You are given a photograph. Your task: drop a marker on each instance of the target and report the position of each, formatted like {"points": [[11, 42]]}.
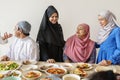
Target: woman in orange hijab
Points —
{"points": [[79, 47]]}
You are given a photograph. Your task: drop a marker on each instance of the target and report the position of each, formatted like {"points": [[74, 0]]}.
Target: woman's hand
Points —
{"points": [[105, 63], [51, 61]]}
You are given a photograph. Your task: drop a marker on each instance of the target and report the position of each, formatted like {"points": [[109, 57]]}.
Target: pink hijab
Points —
{"points": [[79, 50]]}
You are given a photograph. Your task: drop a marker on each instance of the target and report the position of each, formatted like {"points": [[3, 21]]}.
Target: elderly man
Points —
{"points": [[23, 47]]}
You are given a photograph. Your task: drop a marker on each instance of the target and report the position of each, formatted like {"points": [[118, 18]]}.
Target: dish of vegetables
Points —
{"points": [[9, 65]]}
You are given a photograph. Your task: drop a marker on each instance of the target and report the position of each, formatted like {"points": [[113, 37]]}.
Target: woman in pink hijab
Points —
{"points": [[79, 47]]}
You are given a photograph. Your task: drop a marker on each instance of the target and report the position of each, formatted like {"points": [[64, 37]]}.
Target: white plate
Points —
{"points": [[9, 63], [84, 66], [28, 75], [82, 73], [71, 77], [104, 68], [16, 73], [43, 67], [29, 67], [67, 66], [55, 71], [9, 73]]}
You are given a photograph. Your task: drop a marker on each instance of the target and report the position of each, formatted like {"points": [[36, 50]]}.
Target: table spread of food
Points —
{"points": [[33, 70]]}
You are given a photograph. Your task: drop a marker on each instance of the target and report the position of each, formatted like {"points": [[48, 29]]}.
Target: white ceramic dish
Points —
{"points": [[104, 68], [79, 72], [67, 66], [12, 78], [32, 74], [29, 67], [84, 66], [9, 73], [3, 74], [46, 66], [56, 71], [16, 73], [9, 65], [71, 77]]}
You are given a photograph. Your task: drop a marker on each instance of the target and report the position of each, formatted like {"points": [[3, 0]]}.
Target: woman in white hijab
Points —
{"points": [[109, 39]]}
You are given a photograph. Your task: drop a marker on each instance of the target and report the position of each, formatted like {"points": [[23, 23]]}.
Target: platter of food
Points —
{"points": [[79, 72], [32, 74], [44, 67], [56, 71], [9, 65], [84, 66], [4, 74]]}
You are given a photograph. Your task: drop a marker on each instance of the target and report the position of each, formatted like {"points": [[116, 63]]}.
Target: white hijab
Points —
{"points": [[104, 32]]}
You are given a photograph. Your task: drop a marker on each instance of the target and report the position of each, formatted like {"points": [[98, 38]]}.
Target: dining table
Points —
{"points": [[36, 66]]}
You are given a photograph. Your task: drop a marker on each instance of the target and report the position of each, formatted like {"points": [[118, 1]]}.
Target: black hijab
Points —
{"points": [[50, 33]]}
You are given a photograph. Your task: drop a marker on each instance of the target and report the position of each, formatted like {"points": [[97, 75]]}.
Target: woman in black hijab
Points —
{"points": [[50, 36]]}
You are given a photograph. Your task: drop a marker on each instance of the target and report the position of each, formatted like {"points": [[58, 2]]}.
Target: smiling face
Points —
{"points": [[81, 32], [53, 18], [103, 21]]}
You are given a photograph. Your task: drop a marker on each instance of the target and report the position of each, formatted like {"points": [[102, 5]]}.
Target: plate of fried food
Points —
{"points": [[84, 66], [44, 67], [32, 74], [79, 72], [56, 71]]}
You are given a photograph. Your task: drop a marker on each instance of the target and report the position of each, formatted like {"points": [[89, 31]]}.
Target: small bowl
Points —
{"points": [[32, 74], [56, 71], [16, 73], [12, 78], [71, 77]]}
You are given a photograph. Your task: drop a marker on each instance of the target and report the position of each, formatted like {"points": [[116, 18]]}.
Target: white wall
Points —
{"points": [[72, 12]]}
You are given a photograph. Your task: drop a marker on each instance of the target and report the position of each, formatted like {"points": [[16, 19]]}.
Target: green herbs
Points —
{"points": [[8, 66]]}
